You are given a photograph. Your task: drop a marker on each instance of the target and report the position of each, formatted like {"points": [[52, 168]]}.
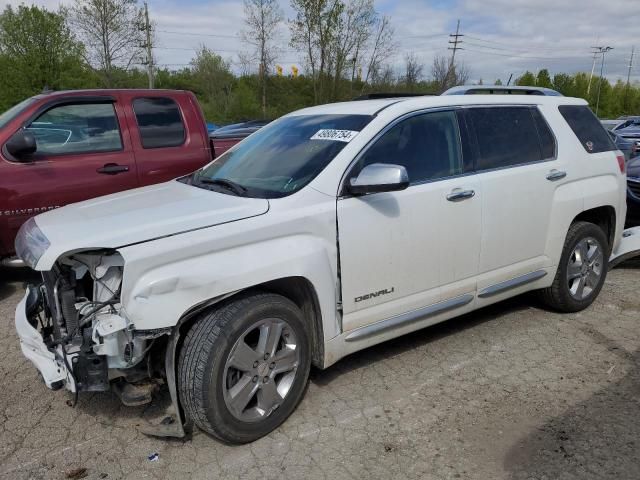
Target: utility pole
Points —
{"points": [[147, 28], [626, 90], [593, 67], [630, 66], [454, 39], [602, 50]]}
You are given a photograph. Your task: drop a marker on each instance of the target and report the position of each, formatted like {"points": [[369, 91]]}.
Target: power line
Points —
{"points": [[521, 56], [199, 34]]}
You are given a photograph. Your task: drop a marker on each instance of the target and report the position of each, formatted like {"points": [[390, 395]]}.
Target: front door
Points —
{"points": [[81, 153], [401, 251]]}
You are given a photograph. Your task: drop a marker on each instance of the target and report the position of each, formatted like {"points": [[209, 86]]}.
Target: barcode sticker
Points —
{"points": [[335, 135]]}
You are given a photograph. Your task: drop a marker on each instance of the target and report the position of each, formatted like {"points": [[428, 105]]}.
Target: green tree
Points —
{"points": [[544, 79], [564, 84], [37, 51], [527, 79], [213, 82], [112, 34]]}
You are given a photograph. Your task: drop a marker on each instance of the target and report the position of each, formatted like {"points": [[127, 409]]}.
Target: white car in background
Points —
{"points": [[330, 230]]}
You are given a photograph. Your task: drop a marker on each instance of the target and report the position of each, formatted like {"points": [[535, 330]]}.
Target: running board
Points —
{"points": [[511, 284], [629, 247], [408, 318]]}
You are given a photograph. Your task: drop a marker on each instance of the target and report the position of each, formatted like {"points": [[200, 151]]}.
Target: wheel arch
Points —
{"points": [[604, 217], [298, 289]]}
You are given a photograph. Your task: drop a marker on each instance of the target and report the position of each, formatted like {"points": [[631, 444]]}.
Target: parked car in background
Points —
{"points": [[63, 147], [211, 127], [627, 146], [629, 128], [223, 138], [633, 192], [330, 230], [610, 124]]}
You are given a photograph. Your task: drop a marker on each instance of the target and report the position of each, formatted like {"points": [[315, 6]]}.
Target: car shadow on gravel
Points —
{"points": [[414, 340], [595, 439], [13, 279]]}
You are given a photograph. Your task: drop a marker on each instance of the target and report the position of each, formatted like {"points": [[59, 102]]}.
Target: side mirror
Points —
{"points": [[21, 145], [379, 177]]}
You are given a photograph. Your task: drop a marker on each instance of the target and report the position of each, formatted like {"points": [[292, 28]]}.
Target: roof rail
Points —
{"points": [[378, 96], [501, 90]]}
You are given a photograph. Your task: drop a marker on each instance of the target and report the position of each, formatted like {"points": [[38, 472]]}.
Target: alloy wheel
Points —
{"points": [[585, 268], [260, 370]]}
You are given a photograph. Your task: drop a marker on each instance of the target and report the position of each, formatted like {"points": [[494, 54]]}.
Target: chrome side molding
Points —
{"points": [[408, 318], [510, 284]]}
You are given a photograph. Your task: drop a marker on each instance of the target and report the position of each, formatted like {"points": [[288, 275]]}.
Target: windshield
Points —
{"points": [[282, 157], [10, 114]]}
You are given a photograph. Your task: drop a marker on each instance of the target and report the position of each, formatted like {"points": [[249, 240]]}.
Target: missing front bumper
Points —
{"points": [[49, 364]]}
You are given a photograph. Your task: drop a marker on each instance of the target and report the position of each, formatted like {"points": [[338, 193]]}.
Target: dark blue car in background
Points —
{"points": [[633, 192]]}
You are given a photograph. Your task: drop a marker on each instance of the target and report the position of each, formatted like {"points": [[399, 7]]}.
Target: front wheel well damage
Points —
{"points": [[297, 289]]}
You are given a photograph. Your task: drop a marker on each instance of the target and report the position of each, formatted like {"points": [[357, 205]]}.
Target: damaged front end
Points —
{"points": [[75, 330]]}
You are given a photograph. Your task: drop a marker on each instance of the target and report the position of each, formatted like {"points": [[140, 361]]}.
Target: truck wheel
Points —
{"points": [[582, 270], [244, 367]]}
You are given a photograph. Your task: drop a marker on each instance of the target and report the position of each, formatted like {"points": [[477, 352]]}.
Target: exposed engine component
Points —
{"points": [[84, 320]]}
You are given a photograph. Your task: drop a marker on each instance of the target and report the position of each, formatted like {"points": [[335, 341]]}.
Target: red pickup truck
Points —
{"points": [[64, 147]]}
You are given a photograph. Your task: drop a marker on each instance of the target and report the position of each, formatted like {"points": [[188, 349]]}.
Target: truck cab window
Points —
{"points": [[159, 121], [77, 128]]}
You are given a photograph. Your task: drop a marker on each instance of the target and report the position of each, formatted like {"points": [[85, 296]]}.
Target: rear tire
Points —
{"points": [[582, 270], [243, 367]]}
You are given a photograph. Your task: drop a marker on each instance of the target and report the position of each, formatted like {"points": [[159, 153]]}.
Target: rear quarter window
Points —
{"points": [[506, 136], [590, 132]]}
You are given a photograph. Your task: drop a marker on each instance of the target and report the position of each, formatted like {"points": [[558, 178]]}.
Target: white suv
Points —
{"points": [[330, 230]]}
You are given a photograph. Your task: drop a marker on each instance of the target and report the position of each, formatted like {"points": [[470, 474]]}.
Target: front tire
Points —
{"points": [[582, 270], [243, 367]]}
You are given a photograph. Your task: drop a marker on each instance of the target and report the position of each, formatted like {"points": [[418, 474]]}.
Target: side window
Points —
{"points": [[159, 121], [547, 140], [587, 128], [77, 128], [427, 145], [506, 136]]}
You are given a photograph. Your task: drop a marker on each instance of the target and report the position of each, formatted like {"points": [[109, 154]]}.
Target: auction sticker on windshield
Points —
{"points": [[336, 135]]}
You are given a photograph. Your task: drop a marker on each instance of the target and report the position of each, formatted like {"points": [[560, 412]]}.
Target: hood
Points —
{"points": [[138, 216]]}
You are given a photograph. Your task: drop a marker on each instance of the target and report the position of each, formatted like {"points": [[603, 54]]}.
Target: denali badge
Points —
{"points": [[368, 296]]}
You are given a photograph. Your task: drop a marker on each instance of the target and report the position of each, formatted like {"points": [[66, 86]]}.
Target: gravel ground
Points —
{"points": [[508, 392]]}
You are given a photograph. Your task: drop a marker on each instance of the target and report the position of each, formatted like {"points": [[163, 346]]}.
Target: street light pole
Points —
{"points": [[603, 50]]}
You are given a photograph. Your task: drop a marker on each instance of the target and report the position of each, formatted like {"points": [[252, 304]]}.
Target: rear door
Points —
{"points": [[518, 169], [83, 151], [169, 137]]}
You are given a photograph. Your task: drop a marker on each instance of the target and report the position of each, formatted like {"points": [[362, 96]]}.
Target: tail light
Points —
{"points": [[622, 163]]}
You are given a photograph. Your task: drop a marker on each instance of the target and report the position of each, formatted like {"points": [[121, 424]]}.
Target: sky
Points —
{"points": [[501, 37]]}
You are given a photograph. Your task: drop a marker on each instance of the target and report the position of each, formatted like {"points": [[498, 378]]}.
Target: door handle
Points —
{"points": [[458, 195], [112, 169], [554, 175]]}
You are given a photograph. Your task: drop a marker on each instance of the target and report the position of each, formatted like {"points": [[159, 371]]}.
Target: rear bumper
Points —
{"points": [[50, 365]]}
